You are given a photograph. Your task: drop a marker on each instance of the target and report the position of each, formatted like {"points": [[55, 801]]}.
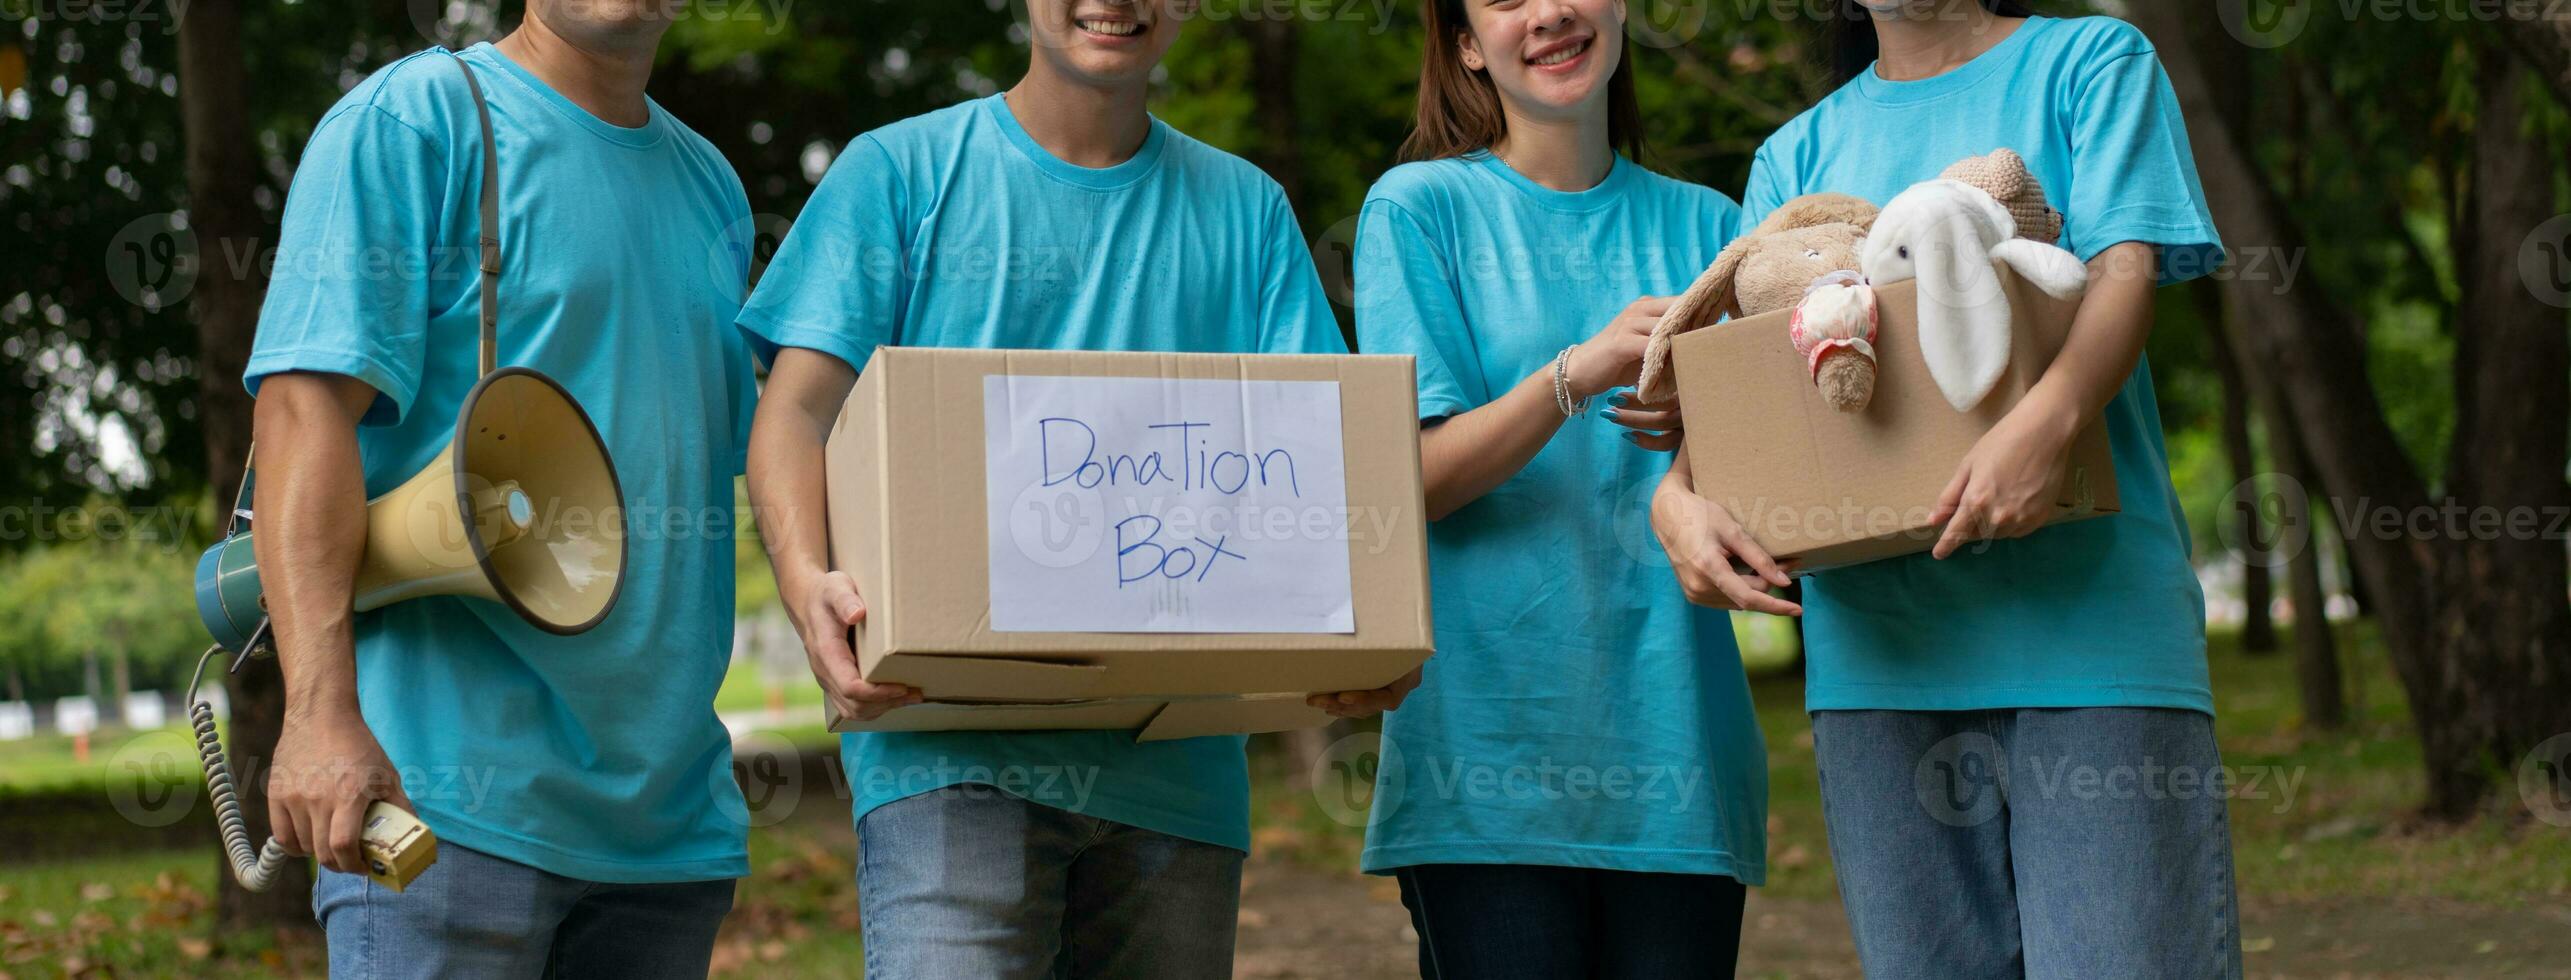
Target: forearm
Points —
{"points": [[786, 493], [311, 535], [2106, 341], [787, 482], [1471, 454], [1682, 473]]}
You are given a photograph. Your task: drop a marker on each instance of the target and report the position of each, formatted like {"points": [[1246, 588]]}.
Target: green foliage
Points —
{"points": [[67, 607], [2362, 122]]}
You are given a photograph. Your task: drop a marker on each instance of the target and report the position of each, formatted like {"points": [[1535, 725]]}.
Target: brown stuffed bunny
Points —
{"points": [[1795, 248]]}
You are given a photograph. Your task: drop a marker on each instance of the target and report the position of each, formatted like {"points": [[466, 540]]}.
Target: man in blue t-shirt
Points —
{"points": [[1057, 215], [580, 785]]}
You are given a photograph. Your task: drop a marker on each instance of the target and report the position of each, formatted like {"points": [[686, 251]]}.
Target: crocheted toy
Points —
{"points": [[2003, 174], [1947, 233], [1803, 256]]}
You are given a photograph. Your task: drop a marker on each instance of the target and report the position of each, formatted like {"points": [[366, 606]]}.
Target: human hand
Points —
{"points": [[1656, 425], [2007, 483], [1367, 704], [1703, 542], [1613, 357], [328, 769], [824, 612]]}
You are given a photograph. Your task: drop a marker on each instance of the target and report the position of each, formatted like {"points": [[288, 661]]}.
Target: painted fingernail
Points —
{"points": [[1609, 413]]}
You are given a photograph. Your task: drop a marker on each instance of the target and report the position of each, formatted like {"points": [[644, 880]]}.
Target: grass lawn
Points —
{"points": [[46, 763], [2345, 829], [2345, 832]]}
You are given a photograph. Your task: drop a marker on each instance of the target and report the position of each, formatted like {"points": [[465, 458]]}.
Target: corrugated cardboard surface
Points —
{"points": [[1826, 488], [908, 521]]}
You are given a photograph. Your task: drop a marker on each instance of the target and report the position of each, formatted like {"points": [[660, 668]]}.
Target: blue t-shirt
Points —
{"points": [[596, 756], [2104, 611], [956, 229], [1579, 712]]}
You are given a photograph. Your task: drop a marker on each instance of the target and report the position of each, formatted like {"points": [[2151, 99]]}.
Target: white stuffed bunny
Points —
{"points": [[1946, 233]]}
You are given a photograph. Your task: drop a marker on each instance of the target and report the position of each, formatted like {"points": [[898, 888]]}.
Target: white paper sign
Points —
{"points": [[1149, 505], [76, 715]]}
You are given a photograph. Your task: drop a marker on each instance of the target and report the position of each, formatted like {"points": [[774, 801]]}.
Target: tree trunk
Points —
{"points": [[2476, 630], [120, 683], [1274, 51], [222, 171], [2316, 649], [2540, 32], [2258, 624], [2504, 619]]}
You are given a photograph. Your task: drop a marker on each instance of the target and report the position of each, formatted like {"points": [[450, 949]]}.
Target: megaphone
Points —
{"points": [[522, 509]]}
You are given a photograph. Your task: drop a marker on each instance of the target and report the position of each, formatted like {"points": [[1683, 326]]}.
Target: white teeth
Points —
{"points": [[1112, 27], [1563, 55]]}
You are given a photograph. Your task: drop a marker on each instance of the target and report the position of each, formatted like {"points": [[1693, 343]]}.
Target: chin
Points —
{"points": [[606, 18], [1108, 67]]}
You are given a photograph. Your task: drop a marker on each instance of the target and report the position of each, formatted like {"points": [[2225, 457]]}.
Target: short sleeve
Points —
{"points": [[741, 240], [1294, 315], [1407, 304], [835, 284], [1766, 191], [2133, 174], [347, 295]]}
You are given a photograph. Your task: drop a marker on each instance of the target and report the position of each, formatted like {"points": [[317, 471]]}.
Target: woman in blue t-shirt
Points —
{"points": [[1578, 787], [2014, 731]]}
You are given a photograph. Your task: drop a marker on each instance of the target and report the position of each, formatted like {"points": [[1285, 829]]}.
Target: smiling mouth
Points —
{"points": [[1111, 28], [1561, 54]]}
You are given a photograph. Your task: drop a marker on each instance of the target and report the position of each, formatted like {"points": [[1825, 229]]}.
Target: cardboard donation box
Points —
{"points": [[1825, 488], [1175, 544]]}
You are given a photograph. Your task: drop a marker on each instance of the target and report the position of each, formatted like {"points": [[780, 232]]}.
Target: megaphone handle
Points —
{"points": [[409, 852]]}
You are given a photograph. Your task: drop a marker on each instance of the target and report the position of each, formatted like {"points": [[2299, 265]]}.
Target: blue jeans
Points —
{"points": [[969, 881], [474, 915], [2031, 842], [1489, 921]]}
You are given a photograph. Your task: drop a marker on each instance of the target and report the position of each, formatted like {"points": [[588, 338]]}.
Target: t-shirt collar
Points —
{"points": [[1607, 190], [485, 54], [1878, 89], [1098, 178]]}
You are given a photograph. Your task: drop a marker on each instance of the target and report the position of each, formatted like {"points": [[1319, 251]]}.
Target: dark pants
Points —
{"points": [[1482, 921]]}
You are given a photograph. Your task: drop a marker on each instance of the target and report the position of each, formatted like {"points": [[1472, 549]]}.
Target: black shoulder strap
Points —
{"points": [[490, 229]]}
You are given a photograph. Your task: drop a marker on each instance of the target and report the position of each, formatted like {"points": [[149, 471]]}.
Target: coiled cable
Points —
{"points": [[255, 869]]}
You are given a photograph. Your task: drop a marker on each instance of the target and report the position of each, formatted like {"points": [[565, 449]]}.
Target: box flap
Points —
{"points": [[1151, 719], [937, 716], [1246, 715], [1010, 678]]}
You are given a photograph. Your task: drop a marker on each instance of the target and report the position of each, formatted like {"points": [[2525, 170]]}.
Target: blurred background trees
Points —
{"points": [[2390, 338]]}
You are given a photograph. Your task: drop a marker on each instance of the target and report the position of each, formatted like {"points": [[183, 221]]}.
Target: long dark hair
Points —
{"points": [[1459, 108], [1852, 43]]}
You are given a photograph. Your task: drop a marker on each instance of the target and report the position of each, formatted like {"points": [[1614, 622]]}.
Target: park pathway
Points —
{"points": [[1297, 922]]}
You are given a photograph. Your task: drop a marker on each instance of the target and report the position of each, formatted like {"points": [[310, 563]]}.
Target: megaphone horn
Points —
{"points": [[522, 508]]}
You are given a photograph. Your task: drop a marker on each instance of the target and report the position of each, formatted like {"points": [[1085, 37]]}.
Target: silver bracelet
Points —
{"points": [[1562, 385]]}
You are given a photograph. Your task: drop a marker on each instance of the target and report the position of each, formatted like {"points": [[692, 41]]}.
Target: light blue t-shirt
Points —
{"points": [[2099, 612], [1578, 712], [956, 229], [595, 756]]}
